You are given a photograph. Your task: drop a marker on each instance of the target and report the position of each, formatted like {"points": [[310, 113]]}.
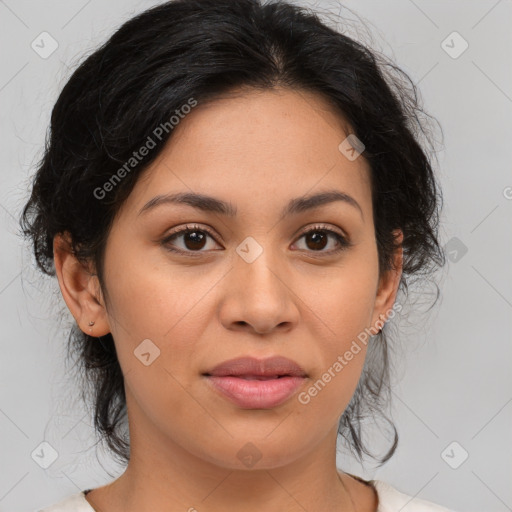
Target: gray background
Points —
{"points": [[453, 375]]}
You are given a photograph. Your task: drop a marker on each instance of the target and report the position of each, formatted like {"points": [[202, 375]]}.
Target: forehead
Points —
{"points": [[262, 146]]}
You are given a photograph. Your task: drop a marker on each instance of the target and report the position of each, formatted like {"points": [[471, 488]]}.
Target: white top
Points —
{"points": [[390, 500]]}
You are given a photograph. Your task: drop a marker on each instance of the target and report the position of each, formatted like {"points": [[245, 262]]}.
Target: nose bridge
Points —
{"points": [[258, 293], [257, 268]]}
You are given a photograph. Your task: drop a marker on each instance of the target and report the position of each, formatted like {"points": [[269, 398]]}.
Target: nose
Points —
{"points": [[258, 297]]}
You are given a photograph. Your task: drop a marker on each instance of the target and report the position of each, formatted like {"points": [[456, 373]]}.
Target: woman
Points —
{"points": [[231, 198]]}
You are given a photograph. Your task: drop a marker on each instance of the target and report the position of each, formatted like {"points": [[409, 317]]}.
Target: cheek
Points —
{"points": [[346, 301], [160, 303], [339, 352], [156, 320], [340, 324]]}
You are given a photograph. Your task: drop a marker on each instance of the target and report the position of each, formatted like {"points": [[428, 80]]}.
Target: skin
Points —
{"points": [[256, 150]]}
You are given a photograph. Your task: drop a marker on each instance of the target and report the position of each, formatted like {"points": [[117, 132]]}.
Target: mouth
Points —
{"points": [[250, 383]]}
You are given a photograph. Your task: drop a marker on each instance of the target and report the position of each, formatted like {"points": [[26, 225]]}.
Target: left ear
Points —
{"points": [[388, 285]]}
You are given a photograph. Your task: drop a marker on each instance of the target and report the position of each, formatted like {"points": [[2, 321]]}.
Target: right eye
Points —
{"points": [[194, 238]]}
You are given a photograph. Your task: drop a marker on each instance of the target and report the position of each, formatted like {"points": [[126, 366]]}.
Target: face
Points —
{"points": [[250, 282]]}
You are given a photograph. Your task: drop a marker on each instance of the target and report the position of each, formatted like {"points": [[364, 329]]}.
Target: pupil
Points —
{"points": [[196, 238], [317, 240]]}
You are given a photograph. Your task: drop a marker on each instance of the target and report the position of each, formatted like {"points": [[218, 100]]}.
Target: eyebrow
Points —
{"points": [[212, 204]]}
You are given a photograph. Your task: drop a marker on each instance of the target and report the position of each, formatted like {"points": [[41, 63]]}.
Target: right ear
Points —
{"points": [[80, 288]]}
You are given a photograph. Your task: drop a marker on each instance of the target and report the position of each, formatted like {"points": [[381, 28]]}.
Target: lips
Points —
{"points": [[254, 383], [248, 367]]}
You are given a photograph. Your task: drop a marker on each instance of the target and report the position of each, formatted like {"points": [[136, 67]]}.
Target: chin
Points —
{"points": [[260, 452]]}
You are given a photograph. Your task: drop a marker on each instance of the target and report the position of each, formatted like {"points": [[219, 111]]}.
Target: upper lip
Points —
{"points": [[271, 366]]}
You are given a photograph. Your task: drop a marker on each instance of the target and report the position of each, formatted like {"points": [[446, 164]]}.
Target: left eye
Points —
{"points": [[194, 239], [317, 237]]}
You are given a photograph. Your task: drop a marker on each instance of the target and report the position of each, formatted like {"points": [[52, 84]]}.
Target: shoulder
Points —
{"points": [[74, 503], [392, 500]]}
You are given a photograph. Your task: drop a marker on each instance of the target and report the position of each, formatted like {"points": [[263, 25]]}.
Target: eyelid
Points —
{"points": [[322, 227], [188, 228]]}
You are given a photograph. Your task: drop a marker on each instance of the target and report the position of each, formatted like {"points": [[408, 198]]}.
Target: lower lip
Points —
{"points": [[257, 394]]}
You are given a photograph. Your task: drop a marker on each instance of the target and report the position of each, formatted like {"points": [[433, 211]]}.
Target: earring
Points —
{"points": [[91, 324], [382, 318]]}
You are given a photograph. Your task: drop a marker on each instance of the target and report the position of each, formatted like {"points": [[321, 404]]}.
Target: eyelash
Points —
{"points": [[344, 243]]}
